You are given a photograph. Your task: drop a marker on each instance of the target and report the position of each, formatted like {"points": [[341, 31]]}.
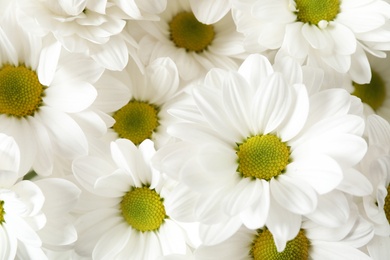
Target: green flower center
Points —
{"points": [[20, 91], [263, 247], [387, 204], [136, 121], [262, 157], [2, 212], [143, 209], [373, 93], [314, 11], [188, 33]]}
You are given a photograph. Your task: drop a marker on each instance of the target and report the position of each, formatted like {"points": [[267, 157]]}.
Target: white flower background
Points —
{"points": [[194, 129]]}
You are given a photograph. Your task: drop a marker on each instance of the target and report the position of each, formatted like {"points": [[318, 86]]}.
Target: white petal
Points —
{"points": [[296, 117], [113, 185], [30, 195], [321, 172], [23, 232], [67, 135], [270, 104], [60, 195], [255, 69], [217, 233], [71, 98], [8, 243], [348, 45], [112, 242], [256, 216], [294, 195], [316, 37], [43, 164], [113, 55], [48, 61], [209, 12], [283, 225], [237, 94], [242, 196], [88, 169], [335, 251], [332, 210], [355, 183], [171, 238]]}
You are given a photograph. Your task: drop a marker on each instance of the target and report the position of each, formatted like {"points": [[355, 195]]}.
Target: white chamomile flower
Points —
{"points": [[33, 216], [262, 152], [376, 94], [138, 102], [194, 47], [376, 167], [44, 92], [128, 210], [313, 241], [332, 34], [91, 27]]}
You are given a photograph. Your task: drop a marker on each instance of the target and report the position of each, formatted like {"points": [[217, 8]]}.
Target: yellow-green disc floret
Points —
{"points": [[20, 91], [143, 209], [188, 33], [136, 121], [387, 204], [314, 11], [263, 247], [262, 157], [2, 212], [373, 93]]}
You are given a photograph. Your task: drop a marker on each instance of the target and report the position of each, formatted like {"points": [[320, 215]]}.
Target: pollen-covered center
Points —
{"points": [[136, 121], [387, 204], [2, 212], [143, 209], [263, 247], [262, 157], [314, 11], [373, 93], [188, 33], [20, 91]]}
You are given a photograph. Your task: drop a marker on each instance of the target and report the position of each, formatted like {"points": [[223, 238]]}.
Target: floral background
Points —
{"points": [[194, 129]]}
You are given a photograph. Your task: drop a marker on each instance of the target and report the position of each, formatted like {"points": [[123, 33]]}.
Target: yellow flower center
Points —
{"points": [[262, 157], [20, 91], [188, 33], [314, 11], [2, 212], [136, 121], [387, 204], [373, 93], [143, 209], [263, 247]]}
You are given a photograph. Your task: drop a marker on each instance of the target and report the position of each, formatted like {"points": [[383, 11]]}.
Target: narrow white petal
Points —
{"points": [[217, 233], [292, 194], [335, 251]]}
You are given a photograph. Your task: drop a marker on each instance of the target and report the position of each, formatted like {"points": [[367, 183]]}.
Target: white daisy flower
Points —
{"points": [[33, 216], [332, 34], [90, 27], [138, 102], [194, 47], [44, 97], [376, 167], [262, 150], [312, 242], [376, 94], [129, 209]]}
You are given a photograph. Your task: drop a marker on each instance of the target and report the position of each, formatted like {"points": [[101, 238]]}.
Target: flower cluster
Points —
{"points": [[194, 129]]}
